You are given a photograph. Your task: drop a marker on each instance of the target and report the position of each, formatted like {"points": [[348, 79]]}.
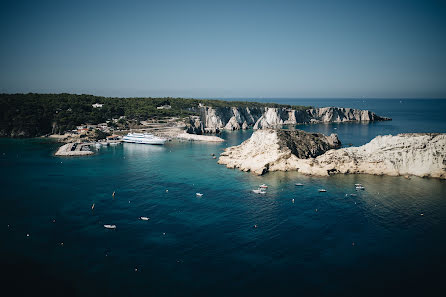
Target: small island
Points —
{"points": [[418, 154]]}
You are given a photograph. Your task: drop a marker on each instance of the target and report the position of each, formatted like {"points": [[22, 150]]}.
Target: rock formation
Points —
{"points": [[420, 154], [212, 120], [270, 150]]}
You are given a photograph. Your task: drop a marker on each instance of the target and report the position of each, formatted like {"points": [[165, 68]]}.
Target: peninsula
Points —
{"points": [[91, 118], [419, 154]]}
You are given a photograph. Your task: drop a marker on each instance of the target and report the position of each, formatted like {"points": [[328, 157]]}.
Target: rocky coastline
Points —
{"points": [[214, 120], [418, 154]]}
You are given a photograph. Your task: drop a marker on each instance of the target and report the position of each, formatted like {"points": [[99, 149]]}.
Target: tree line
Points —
{"points": [[35, 114]]}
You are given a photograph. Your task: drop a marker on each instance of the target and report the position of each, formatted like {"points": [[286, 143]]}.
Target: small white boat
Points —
{"points": [[114, 143], [144, 218], [358, 185], [263, 186], [97, 145], [259, 191], [199, 194], [110, 226], [360, 188], [322, 190], [299, 184]]}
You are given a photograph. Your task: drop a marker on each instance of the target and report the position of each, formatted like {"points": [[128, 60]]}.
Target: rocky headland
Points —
{"points": [[419, 154], [213, 120], [277, 150]]}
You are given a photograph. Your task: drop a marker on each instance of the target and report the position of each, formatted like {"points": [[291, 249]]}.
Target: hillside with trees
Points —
{"points": [[29, 115]]}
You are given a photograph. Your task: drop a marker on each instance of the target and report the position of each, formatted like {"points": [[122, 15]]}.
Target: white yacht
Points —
{"points": [[143, 138]]}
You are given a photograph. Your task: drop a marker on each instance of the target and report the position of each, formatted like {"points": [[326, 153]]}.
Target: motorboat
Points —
{"points": [[144, 218], [199, 194], [299, 184], [143, 138], [263, 186], [259, 191], [110, 226], [322, 190], [360, 188]]}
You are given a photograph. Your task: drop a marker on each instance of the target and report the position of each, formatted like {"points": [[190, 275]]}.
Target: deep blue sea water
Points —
{"points": [[388, 240]]}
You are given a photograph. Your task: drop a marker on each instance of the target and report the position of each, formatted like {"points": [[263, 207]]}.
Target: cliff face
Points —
{"points": [[419, 154], [212, 120], [270, 150]]}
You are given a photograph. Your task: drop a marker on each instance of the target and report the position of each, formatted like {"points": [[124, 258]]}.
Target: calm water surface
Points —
{"points": [[386, 240]]}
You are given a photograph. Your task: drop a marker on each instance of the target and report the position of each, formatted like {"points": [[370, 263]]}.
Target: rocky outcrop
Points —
{"points": [[213, 120], [419, 154], [270, 150], [195, 137], [195, 126]]}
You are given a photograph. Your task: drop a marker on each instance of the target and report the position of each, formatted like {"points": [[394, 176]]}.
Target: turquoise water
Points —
{"points": [[387, 240]]}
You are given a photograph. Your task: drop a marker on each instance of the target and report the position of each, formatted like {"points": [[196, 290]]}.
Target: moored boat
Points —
{"points": [[143, 138]]}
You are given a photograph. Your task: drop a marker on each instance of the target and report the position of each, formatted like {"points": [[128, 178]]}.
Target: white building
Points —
{"points": [[164, 107], [97, 105]]}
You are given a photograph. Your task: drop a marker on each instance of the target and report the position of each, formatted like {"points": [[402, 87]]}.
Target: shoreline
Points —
{"points": [[196, 137]]}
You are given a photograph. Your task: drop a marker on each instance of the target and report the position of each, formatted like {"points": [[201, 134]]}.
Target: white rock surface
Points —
{"points": [[271, 150], [212, 120], [196, 137], [416, 154], [419, 154]]}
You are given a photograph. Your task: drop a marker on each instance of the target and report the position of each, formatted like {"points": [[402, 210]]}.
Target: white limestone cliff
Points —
{"points": [[213, 120], [271, 150], [419, 154]]}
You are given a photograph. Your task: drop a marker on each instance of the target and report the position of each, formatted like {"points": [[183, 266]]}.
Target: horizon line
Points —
{"points": [[241, 98]]}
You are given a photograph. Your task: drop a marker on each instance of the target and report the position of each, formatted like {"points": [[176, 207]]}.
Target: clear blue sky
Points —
{"points": [[386, 49]]}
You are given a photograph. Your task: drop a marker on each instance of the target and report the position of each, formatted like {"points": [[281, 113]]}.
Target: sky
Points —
{"points": [[225, 49]]}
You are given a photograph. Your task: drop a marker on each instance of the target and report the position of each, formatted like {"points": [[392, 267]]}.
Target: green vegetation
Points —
{"points": [[33, 114]]}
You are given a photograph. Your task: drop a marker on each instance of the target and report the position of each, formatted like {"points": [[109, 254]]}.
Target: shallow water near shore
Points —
{"points": [[387, 239]]}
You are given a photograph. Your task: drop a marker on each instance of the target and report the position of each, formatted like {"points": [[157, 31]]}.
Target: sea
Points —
{"points": [[386, 240]]}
